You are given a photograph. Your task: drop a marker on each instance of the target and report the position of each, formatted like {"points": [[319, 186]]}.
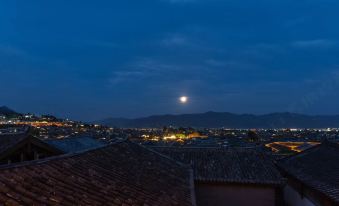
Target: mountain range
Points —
{"points": [[228, 120]]}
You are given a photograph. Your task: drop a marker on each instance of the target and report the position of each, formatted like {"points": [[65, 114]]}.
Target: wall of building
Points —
{"points": [[234, 195], [294, 198]]}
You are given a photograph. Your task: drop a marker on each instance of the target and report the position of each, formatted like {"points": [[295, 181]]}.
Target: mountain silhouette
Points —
{"points": [[228, 120]]}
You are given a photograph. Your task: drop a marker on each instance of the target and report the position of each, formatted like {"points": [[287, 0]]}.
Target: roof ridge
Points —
{"points": [[14, 134]]}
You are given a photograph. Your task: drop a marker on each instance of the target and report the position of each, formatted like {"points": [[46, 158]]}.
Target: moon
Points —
{"points": [[183, 99]]}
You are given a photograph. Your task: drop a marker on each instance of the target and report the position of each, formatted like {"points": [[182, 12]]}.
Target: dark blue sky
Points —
{"points": [[87, 60]]}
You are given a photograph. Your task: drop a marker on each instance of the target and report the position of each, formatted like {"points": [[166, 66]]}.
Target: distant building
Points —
{"points": [[76, 144], [119, 174], [24, 147], [196, 135], [313, 176], [235, 177]]}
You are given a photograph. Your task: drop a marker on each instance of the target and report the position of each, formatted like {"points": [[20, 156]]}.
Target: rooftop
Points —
{"points": [[8, 141], [318, 168], [122, 173], [226, 165]]}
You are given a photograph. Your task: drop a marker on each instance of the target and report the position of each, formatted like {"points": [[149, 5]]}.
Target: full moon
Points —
{"points": [[183, 99]]}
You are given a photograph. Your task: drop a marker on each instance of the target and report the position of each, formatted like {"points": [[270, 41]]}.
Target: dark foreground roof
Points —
{"points": [[119, 174], [226, 165], [75, 144], [318, 168], [11, 142], [8, 141]]}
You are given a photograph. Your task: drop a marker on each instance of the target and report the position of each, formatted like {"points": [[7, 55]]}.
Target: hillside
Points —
{"points": [[5, 111]]}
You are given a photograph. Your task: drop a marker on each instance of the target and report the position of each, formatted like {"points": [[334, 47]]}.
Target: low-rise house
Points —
{"points": [[235, 177], [24, 147], [313, 176], [122, 173]]}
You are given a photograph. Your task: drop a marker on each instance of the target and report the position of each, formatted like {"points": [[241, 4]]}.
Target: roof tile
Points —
{"points": [[226, 165], [119, 174], [317, 167]]}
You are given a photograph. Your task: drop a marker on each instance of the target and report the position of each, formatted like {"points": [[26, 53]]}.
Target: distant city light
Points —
{"points": [[183, 99]]}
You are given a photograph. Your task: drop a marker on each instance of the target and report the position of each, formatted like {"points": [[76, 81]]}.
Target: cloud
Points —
{"points": [[230, 65], [189, 39], [141, 69], [104, 44], [297, 22], [12, 51], [122, 76], [316, 43], [175, 40], [157, 70]]}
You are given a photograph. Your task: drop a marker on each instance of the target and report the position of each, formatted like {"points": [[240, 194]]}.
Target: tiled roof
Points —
{"points": [[9, 143], [75, 144], [226, 165], [120, 174], [318, 168], [10, 140]]}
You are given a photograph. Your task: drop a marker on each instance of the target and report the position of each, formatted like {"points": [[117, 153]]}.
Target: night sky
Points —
{"points": [[89, 60]]}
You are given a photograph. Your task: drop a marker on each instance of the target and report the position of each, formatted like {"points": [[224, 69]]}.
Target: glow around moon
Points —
{"points": [[183, 99]]}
